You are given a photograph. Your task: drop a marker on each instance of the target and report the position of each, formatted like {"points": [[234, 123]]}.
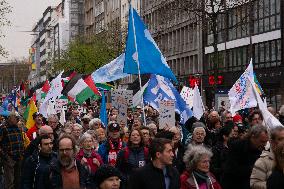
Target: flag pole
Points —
{"points": [[138, 64]]}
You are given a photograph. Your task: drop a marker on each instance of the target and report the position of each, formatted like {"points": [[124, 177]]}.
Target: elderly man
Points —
{"points": [[263, 166], [241, 158], [11, 151], [66, 172]]}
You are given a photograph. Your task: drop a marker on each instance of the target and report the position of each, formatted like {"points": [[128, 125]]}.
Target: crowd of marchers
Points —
{"points": [[218, 151]]}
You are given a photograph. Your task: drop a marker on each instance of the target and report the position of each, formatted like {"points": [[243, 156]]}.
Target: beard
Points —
{"points": [[65, 160]]}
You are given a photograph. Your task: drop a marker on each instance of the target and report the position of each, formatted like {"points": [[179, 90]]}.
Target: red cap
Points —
{"points": [[237, 118]]}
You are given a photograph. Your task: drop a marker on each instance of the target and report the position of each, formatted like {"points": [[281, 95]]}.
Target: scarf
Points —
{"points": [[202, 177], [112, 154]]}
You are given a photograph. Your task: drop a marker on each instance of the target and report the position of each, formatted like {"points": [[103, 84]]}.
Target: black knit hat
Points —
{"points": [[104, 172]]}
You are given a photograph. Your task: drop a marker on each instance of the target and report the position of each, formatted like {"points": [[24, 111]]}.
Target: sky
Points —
{"points": [[24, 15]]}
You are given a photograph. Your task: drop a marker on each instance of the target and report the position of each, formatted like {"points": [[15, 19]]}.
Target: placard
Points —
{"points": [[187, 95], [121, 100], [166, 114]]}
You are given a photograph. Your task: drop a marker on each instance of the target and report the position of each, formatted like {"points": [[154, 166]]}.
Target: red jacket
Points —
{"points": [[90, 160], [187, 181]]}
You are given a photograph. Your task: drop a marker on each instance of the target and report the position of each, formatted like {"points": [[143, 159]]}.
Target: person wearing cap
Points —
{"points": [[110, 148], [33, 131], [108, 177], [11, 151], [85, 122]]}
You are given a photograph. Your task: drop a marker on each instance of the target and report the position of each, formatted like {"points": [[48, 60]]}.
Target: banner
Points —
{"points": [[187, 95]]}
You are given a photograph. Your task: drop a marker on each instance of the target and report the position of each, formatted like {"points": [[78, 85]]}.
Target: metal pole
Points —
{"points": [[138, 65]]}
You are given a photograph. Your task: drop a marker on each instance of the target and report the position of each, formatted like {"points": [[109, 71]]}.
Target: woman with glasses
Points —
{"points": [[197, 160]]}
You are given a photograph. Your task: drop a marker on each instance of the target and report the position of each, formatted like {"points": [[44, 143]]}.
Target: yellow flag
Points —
{"points": [[30, 121]]}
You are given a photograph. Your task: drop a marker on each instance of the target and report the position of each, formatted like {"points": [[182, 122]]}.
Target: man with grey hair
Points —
{"points": [[198, 134], [242, 156], [263, 166]]}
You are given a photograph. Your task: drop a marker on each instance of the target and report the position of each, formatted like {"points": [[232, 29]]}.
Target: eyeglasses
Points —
{"points": [[67, 150]]}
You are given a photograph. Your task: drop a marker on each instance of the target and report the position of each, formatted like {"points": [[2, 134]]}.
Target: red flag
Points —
{"points": [[46, 86]]}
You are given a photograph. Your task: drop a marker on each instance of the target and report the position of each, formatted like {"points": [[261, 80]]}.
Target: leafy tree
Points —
{"points": [[5, 9], [85, 55]]}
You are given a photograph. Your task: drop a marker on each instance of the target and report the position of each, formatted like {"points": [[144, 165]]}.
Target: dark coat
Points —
{"points": [[276, 180], [178, 159], [104, 150], [239, 165], [56, 179], [152, 177], [135, 157], [36, 171], [220, 154]]}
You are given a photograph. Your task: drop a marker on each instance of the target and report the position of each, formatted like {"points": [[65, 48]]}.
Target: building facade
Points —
{"points": [[178, 36], [253, 31]]}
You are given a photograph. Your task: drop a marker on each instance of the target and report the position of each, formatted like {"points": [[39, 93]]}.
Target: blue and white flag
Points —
{"points": [[142, 49], [160, 88], [103, 112], [111, 71]]}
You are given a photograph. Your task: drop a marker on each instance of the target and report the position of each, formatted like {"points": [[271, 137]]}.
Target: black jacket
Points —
{"points": [[220, 154], [135, 159], [276, 180], [36, 171], [56, 179], [178, 159], [151, 177], [238, 167]]}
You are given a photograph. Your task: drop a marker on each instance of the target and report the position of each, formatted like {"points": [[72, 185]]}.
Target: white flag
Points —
{"points": [[269, 120], [54, 91], [187, 95], [198, 107], [137, 98], [241, 95]]}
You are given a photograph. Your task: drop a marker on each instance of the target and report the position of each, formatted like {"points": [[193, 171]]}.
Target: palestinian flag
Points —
{"points": [[67, 76], [80, 88], [22, 90], [44, 90]]}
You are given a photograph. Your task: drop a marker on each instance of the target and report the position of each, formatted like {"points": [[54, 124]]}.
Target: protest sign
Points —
{"points": [[59, 104], [166, 114], [121, 100], [187, 95]]}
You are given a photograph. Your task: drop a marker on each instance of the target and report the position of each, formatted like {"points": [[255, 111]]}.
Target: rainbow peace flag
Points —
{"points": [[257, 85]]}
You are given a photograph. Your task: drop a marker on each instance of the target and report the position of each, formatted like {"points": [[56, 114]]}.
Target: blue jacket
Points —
{"points": [[104, 150]]}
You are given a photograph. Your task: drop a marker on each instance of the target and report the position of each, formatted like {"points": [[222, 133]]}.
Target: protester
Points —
{"points": [[158, 174], [276, 179], [110, 148], [33, 146], [146, 135], [101, 135], [241, 158], [66, 172], [76, 131], [197, 175], [198, 135], [85, 122], [255, 118], [95, 123], [108, 177], [12, 151], [134, 155], [33, 131], [263, 166], [87, 154], [36, 169], [220, 152], [178, 149]]}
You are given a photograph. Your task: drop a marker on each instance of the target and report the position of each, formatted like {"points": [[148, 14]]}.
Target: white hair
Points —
{"points": [[198, 128], [93, 121], [193, 155]]}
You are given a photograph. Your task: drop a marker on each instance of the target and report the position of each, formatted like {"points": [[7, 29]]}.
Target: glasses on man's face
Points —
{"points": [[65, 150]]}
